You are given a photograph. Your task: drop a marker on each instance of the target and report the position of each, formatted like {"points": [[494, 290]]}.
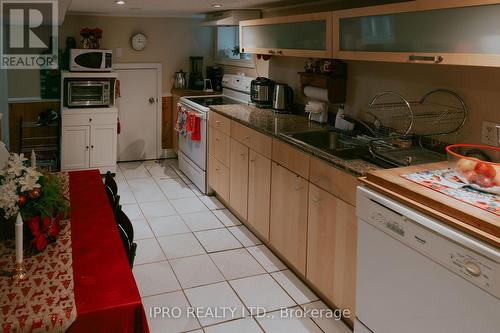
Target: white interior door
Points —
{"points": [[139, 114]]}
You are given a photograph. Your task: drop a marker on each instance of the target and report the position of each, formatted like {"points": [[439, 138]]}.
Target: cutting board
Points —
{"points": [[467, 218]]}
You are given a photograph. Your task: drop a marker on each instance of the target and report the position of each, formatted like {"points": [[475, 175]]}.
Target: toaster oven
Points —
{"points": [[84, 92]]}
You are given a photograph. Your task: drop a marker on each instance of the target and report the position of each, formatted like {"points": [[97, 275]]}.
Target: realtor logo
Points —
{"points": [[29, 34]]}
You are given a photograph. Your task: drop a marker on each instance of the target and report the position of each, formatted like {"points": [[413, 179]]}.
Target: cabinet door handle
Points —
{"points": [[217, 121], [253, 160], [217, 139], [435, 59], [247, 137], [92, 147], [90, 119], [280, 52], [242, 154], [272, 52], [316, 200], [87, 147], [298, 187]]}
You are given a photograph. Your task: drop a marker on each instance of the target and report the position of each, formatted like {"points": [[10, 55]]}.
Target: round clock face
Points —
{"points": [[139, 42]]}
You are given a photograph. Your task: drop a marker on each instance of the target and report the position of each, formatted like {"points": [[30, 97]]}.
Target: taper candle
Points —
{"points": [[33, 158], [19, 239]]}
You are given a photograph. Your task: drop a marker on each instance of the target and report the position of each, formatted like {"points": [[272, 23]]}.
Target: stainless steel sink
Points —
{"points": [[331, 141]]}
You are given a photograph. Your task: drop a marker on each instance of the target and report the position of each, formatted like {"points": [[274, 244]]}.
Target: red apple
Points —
{"points": [[485, 169], [497, 176], [485, 182], [465, 164], [471, 176]]}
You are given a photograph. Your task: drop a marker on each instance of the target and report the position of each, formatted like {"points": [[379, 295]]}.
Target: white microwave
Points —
{"points": [[90, 60]]}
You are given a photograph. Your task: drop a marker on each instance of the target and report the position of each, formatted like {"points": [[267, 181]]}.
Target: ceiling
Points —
{"points": [[167, 8]]}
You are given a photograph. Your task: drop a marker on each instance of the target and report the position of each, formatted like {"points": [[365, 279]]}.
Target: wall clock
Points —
{"points": [[139, 41]]}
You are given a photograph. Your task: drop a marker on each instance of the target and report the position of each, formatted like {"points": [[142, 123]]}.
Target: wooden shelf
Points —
{"points": [[334, 82]]}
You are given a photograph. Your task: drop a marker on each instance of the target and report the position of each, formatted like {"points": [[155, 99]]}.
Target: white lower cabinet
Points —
{"points": [[89, 142], [75, 147], [103, 145]]}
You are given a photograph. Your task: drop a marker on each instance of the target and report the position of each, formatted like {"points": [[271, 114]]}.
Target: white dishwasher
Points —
{"points": [[415, 274]]}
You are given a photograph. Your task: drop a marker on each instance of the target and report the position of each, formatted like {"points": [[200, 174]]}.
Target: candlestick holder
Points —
{"points": [[20, 272]]}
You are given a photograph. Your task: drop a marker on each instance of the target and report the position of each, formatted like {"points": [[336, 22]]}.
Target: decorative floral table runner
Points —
{"points": [[45, 301], [446, 182]]}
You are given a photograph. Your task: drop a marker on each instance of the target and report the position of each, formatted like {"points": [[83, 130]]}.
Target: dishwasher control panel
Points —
{"points": [[468, 264]]}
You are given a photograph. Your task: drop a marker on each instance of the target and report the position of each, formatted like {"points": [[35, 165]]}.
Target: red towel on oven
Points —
{"points": [[193, 126]]}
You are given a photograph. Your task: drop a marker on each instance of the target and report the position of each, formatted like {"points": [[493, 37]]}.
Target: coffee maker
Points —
{"points": [[196, 76], [214, 74]]}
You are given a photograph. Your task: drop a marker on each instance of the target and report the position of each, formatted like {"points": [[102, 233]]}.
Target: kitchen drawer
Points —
{"points": [[291, 158], [89, 119], [218, 177], [219, 122], [335, 181], [259, 142], [219, 145]]}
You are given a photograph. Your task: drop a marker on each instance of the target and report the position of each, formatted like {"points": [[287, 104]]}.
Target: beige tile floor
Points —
{"points": [[192, 253]]}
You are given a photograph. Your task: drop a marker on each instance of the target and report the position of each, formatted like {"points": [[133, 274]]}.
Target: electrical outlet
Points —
{"points": [[490, 134]]}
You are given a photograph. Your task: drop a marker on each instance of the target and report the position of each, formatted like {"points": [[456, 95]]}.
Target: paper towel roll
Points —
{"points": [[318, 94]]}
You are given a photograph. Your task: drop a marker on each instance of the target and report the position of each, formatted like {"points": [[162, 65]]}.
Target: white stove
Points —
{"points": [[193, 154]]}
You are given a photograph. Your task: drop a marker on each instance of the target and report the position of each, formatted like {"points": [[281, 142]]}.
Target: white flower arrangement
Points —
{"points": [[16, 177]]}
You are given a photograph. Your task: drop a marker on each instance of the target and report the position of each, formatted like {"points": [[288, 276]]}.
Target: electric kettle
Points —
{"points": [[282, 98], [180, 80]]}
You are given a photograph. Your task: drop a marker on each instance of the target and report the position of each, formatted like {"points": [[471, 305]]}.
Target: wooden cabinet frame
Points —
{"points": [[328, 16], [489, 60]]}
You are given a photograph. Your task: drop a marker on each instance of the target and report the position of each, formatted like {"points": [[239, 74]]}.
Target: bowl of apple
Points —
{"points": [[478, 166]]}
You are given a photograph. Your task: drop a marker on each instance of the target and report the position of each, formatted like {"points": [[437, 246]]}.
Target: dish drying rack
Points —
{"points": [[396, 121], [439, 112]]}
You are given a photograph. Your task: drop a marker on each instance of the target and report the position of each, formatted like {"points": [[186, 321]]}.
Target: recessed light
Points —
{"points": [[120, 2], [217, 5]]}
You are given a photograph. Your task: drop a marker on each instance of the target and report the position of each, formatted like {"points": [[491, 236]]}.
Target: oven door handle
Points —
{"points": [[201, 114]]}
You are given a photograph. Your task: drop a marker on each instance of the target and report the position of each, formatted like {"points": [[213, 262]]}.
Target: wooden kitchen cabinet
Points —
{"points": [[219, 122], [254, 140], [218, 177], [396, 33], [259, 193], [307, 35], [288, 223], [175, 135], [291, 158], [333, 180], [219, 146], [238, 178], [331, 247]]}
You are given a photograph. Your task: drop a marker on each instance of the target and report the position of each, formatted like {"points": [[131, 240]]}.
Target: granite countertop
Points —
{"points": [[275, 125]]}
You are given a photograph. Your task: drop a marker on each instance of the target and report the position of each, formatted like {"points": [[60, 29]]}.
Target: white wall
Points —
{"points": [[4, 108]]}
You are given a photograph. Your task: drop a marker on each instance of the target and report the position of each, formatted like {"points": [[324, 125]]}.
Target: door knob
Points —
{"points": [[151, 100]]}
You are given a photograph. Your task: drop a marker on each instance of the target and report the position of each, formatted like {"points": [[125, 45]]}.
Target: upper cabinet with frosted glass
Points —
{"points": [[423, 31], [308, 35]]}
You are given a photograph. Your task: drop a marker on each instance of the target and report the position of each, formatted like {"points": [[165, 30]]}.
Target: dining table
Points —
{"points": [[106, 295], [83, 282]]}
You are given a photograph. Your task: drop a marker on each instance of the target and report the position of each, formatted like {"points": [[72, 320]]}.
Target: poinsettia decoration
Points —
{"points": [[38, 197]]}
